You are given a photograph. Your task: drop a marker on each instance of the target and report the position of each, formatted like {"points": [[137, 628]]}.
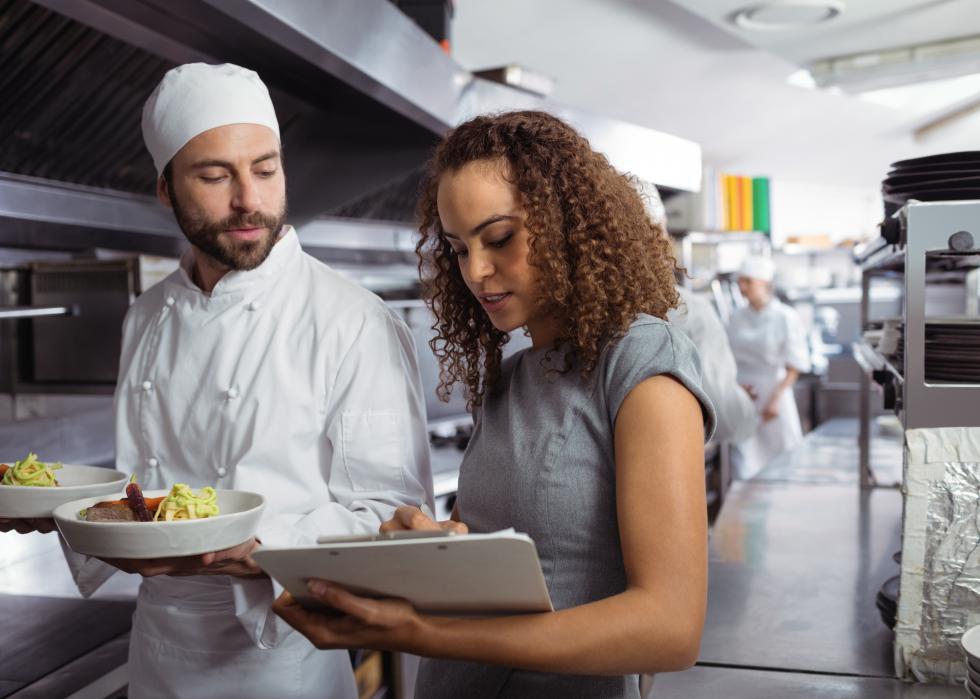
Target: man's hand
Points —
{"points": [[750, 389], [41, 525], [236, 561], [412, 518]]}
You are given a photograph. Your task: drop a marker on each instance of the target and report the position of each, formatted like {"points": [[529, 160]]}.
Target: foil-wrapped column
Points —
{"points": [[939, 597]]}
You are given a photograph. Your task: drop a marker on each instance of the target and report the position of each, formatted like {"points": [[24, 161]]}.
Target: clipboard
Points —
{"points": [[454, 575]]}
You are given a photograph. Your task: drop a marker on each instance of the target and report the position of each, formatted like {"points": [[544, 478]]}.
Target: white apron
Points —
{"points": [[173, 650], [289, 381], [764, 343]]}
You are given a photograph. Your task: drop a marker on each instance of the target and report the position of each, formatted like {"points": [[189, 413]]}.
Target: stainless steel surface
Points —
{"points": [[373, 47], [707, 255], [741, 683], [83, 349], [794, 570], [13, 292], [71, 97], [445, 469], [828, 453], [39, 213], [10, 312], [362, 94], [70, 429], [932, 405], [368, 44], [927, 228], [972, 284]]}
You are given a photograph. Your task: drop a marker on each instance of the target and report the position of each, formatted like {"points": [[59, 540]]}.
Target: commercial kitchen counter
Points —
{"points": [[55, 643], [796, 562]]}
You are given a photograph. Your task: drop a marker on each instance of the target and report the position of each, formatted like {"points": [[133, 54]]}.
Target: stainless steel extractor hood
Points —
{"points": [[362, 95]]}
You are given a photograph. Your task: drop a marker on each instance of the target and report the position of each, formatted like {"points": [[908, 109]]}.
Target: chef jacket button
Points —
{"points": [[152, 462], [233, 393], [254, 306], [171, 300], [147, 385], [222, 472]]}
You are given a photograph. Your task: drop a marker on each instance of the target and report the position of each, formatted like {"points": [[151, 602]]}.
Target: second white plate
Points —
{"points": [[239, 518]]}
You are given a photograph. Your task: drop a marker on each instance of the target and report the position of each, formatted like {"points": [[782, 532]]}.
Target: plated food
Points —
{"points": [[181, 503], [30, 488], [29, 472], [182, 522]]}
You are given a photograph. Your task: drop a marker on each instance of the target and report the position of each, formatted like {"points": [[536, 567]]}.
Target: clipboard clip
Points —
{"points": [[387, 536]]}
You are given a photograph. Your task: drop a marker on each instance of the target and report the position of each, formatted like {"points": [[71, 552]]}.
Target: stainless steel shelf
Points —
{"points": [[937, 261], [924, 259], [870, 360], [885, 260]]}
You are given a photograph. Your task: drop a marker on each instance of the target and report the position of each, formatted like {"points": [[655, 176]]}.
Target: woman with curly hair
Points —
{"points": [[590, 441]]}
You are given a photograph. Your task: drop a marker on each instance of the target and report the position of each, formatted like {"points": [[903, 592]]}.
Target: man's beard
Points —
{"points": [[239, 255]]}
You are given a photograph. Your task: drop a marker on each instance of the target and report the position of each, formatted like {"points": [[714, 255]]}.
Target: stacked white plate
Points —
{"points": [[971, 647]]}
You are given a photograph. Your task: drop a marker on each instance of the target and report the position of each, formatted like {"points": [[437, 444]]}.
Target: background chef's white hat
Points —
{"points": [[758, 268], [196, 97], [653, 203]]}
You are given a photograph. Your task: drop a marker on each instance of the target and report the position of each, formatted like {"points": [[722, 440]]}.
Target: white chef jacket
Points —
{"points": [[289, 381], [764, 343], [736, 418]]}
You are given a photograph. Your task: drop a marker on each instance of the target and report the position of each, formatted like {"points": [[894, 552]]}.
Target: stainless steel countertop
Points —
{"points": [[794, 570], [740, 683]]}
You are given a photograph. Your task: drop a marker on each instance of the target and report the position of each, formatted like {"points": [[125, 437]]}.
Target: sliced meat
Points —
{"points": [[110, 512]]}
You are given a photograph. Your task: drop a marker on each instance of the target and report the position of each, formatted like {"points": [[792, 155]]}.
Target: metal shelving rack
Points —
{"points": [[924, 251]]}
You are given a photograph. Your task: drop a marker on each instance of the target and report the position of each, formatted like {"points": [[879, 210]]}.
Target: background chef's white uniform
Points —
{"points": [[736, 417], [764, 343], [289, 381]]}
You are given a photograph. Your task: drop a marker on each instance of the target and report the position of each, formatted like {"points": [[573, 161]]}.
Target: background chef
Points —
{"points": [[735, 415], [770, 347]]}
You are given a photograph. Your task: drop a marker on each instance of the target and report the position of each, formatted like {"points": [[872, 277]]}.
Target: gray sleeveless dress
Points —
{"points": [[541, 461]]}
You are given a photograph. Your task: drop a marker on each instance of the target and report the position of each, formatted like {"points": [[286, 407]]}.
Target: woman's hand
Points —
{"points": [[412, 518], [771, 411], [359, 622]]}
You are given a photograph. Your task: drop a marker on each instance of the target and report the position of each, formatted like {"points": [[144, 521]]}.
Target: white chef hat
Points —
{"points": [[758, 268], [653, 203], [196, 97]]}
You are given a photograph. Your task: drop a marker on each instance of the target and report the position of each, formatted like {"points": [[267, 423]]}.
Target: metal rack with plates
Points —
{"points": [[924, 245]]}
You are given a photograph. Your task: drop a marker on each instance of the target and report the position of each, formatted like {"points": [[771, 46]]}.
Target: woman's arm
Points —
{"points": [[653, 626]]}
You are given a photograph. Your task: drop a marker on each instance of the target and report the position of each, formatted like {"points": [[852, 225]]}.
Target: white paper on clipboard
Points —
{"points": [[467, 574]]}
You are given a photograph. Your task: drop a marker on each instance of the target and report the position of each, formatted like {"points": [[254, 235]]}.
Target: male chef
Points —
{"points": [[252, 367]]}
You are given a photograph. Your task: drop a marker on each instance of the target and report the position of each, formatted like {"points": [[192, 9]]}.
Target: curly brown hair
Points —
{"points": [[600, 259]]}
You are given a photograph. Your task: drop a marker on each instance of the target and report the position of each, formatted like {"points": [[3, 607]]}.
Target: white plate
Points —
{"points": [[970, 642], [240, 514], [74, 482]]}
